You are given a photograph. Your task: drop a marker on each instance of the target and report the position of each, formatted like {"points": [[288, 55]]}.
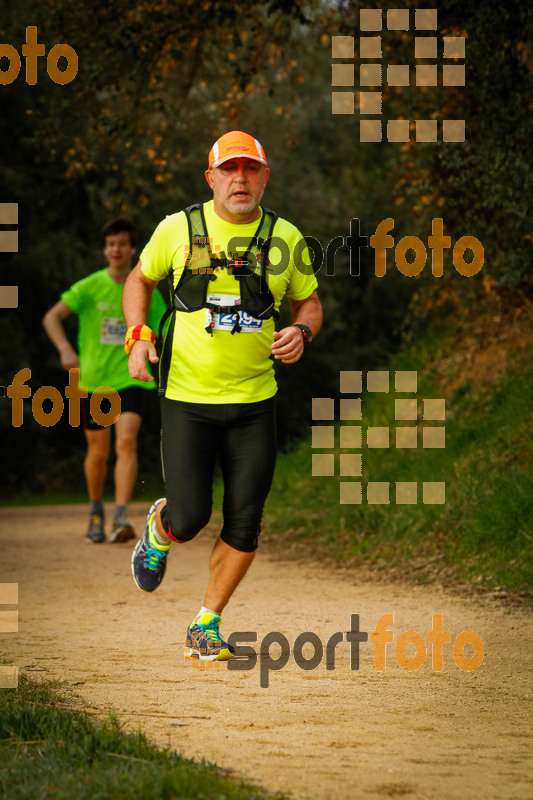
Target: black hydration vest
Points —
{"points": [[201, 269]]}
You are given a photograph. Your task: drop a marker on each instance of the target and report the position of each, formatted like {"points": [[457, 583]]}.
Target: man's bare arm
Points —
{"points": [[135, 306], [52, 323], [289, 345]]}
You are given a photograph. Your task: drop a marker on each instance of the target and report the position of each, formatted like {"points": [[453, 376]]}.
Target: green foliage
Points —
{"points": [[158, 82], [48, 751]]}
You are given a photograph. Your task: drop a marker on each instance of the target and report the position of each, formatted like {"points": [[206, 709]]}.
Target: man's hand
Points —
{"points": [[68, 357], [288, 344], [141, 352]]}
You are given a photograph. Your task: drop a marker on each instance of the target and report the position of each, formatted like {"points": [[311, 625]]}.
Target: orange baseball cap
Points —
{"points": [[235, 144]]}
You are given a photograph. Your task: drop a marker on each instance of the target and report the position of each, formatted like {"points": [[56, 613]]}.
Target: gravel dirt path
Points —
{"points": [[315, 734]]}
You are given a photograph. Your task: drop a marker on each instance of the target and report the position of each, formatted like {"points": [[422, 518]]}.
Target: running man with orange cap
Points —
{"points": [[216, 373]]}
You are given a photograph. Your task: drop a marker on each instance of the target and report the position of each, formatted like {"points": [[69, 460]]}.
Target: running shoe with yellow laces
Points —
{"points": [[148, 561], [204, 641]]}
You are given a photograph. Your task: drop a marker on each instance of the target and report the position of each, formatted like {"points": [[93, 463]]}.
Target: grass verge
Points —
{"points": [[49, 752], [481, 534]]}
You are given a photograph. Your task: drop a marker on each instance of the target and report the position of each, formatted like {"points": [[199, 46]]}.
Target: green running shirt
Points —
{"points": [[97, 300]]}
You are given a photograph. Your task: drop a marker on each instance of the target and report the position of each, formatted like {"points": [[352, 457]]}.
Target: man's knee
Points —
{"points": [[181, 528], [127, 443], [98, 453], [244, 542]]}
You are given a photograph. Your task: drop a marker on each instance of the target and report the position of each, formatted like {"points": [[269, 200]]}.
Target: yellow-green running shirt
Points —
{"points": [[224, 368]]}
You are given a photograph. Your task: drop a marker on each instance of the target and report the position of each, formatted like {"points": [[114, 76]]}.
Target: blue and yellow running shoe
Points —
{"points": [[148, 561], [204, 641]]}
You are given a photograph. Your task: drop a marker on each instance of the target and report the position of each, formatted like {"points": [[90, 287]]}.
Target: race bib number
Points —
{"points": [[225, 322], [113, 331]]}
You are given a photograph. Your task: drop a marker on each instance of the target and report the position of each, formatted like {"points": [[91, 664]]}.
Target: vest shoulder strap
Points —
{"points": [[198, 230], [267, 225], [197, 227]]}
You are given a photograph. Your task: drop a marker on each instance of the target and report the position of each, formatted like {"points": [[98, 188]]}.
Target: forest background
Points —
{"points": [[158, 82]]}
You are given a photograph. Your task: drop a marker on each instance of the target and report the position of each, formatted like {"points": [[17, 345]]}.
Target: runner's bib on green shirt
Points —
{"points": [[97, 300]]}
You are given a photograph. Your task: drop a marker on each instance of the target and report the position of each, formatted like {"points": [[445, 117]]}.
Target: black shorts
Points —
{"points": [[243, 436], [131, 399]]}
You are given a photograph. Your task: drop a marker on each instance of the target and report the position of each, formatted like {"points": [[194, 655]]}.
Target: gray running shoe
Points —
{"points": [[122, 532], [96, 530]]}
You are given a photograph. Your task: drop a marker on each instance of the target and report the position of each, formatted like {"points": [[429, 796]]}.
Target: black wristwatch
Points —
{"points": [[306, 333]]}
